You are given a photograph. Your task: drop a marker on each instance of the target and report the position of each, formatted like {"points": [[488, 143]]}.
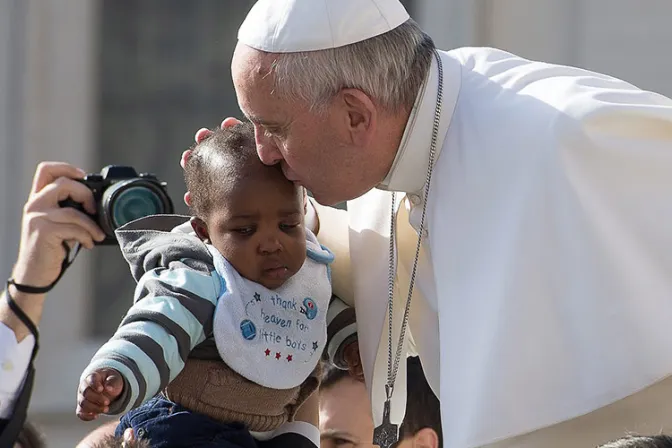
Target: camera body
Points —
{"points": [[122, 195]]}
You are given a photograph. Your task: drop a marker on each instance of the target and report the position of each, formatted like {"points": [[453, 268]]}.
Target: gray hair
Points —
{"points": [[390, 68]]}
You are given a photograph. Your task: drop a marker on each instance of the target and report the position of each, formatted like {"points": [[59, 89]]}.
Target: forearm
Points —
{"points": [[31, 304], [334, 232]]}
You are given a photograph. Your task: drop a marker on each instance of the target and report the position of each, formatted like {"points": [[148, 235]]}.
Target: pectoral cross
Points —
{"points": [[387, 433]]}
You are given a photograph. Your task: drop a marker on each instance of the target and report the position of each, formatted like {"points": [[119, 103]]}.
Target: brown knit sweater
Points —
{"points": [[213, 389]]}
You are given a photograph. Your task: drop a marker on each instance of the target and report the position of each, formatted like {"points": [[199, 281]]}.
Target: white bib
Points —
{"points": [[274, 337]]}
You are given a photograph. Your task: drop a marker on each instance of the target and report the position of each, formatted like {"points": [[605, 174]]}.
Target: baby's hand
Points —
{"points": [[97, 391], [354, 362]]}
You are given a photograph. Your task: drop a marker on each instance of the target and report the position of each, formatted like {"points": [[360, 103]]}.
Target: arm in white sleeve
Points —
{"points": [[14, 361], [333, 231]]}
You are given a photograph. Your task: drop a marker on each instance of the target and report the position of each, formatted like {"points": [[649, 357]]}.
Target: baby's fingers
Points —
{"points": [[93, 402], [94, 382]]}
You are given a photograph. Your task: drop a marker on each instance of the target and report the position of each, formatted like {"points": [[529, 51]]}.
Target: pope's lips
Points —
{"points": [[289, 178]]}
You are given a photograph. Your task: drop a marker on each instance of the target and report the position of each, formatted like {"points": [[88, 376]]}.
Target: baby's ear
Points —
{"points": [[305, 200], [201, 229]]}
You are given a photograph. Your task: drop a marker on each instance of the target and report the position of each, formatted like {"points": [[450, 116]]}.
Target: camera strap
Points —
{"points": [[11, 428], [70, 255]]}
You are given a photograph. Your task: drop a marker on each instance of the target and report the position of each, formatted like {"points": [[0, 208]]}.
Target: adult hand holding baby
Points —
{"points": [[201, 135], [97, 391]]}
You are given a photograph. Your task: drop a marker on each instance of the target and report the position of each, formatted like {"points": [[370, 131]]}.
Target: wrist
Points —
{"points": [[28, 272], [30, 304]]}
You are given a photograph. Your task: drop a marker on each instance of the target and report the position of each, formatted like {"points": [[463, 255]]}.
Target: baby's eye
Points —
{"points": [[289, 226], [245, 231]]}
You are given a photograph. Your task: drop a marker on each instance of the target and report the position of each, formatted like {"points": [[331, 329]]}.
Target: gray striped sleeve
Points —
{"points": [[181, 337], [341, 330], [121, 404]]}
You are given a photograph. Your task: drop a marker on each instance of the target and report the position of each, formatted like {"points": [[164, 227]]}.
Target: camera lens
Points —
{"points": [[131, 199], [135, 203]]}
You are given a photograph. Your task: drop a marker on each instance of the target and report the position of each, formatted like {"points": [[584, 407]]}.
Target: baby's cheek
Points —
{"points": [[235, 253], [299, 255]]}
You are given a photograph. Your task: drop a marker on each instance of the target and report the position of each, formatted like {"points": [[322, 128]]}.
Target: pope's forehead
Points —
{"points": [[251, 63]]}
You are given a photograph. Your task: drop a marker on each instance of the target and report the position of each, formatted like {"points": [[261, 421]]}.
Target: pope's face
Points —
{"points": [[315, 150]]}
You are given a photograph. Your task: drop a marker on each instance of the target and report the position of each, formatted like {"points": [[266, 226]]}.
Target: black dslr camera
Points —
{"points": [[122, 195]]}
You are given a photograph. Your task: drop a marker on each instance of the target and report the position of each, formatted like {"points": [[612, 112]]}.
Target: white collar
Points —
{"points": [[409, 168]]}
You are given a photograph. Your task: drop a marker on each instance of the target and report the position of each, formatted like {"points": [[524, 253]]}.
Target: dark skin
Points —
{"points": [[351, 352], [258, 226]]}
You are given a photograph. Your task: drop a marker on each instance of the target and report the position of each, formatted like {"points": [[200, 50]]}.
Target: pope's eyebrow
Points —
{"points": [[260, 121]]}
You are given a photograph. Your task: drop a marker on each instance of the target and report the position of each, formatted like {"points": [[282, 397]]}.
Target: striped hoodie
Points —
{"points": [[171, 319]]}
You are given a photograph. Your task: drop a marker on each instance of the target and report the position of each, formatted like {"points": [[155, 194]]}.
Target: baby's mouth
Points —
{"points": [[275, 270]]}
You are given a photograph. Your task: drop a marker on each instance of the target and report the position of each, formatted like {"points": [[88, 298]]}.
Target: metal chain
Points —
{"points": [[393, 368]]}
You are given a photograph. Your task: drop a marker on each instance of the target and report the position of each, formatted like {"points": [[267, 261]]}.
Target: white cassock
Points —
{"points": [[544, 289]]}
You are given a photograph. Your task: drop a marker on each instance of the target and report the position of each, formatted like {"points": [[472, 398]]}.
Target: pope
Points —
{"points": [[509, 221]]}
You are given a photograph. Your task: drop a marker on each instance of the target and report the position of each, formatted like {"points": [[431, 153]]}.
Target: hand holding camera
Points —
{"points": [[45, 225], [106, 200], [121, 195]]}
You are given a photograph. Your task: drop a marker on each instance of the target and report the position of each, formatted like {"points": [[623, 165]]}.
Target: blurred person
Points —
{"points": [[659, 441], [228, 325], [104, 431], [48, 233], [345, 411], [527, 203], [127, 440], [30, 437]]}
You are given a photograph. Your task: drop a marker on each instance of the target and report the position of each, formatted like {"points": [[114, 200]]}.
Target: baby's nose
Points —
{"points": [[270, 245]]}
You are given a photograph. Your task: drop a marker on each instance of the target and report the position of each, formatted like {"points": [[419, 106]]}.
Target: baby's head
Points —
{"points": [[247, 210]]}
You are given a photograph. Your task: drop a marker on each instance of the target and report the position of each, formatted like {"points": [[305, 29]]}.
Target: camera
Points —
{"points": [[122, 195]]}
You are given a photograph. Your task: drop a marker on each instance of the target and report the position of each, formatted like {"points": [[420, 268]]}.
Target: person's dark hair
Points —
{"points": [[423, 409], [331, 375], [659, 441], [30, 437], [224, 157], [118, 442]]}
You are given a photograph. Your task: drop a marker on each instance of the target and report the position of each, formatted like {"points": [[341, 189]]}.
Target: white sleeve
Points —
{"points": [[14, 361]]}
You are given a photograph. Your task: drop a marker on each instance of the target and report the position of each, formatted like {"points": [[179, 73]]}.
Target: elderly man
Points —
{"points": [[508, 220]]}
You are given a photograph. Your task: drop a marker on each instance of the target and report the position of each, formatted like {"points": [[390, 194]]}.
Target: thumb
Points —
{"points": [[95, 381], [129, 435], [114, 384]]}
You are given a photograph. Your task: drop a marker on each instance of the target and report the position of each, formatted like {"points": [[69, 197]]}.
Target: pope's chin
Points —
{"points": [[336, 198]]}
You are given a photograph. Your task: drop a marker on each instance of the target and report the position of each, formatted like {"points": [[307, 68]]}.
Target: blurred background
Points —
{"points": [[95, 82]]}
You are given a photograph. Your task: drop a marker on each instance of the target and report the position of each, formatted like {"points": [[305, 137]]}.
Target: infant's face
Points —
{"points": [[258, 227]]}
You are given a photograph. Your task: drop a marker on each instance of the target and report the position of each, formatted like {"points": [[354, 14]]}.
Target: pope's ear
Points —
{"points": [[360, 114]]}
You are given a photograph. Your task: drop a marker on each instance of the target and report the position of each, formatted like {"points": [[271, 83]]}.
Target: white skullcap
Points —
{"points": [[288, 26]]}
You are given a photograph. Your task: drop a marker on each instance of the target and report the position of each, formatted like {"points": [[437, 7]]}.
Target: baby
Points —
{"points": [[228, 326]]}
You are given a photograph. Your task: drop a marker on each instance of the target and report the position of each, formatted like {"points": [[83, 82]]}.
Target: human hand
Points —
{"points": [[97, 391], [201, 135], [46, 225], [353, 360]]}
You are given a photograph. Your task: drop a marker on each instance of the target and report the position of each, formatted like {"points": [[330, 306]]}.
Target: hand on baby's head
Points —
{"points": [[97, 391]]}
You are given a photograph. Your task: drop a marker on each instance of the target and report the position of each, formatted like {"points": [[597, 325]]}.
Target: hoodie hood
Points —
{"points": [[156, 241]]}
